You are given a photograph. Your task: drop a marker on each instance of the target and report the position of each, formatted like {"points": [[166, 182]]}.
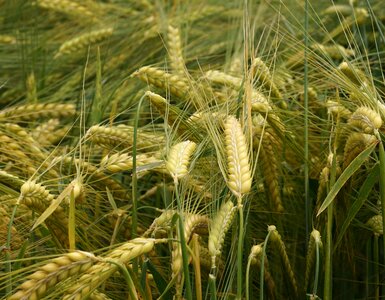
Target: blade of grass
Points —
{"points": [[262, 275], [183, 242], [382, 184], [53, 206], [134, 175], [306, 117], [160, 282], [363, 194], [127, 277], [348, 172], [71, 223], [8, 265]]}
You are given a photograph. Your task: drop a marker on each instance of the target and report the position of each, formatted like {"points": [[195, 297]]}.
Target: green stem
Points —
{"points": [[71, 223], [306, 125], [376, 268], [183, 243], [8, 265], [382, 183], [240, 252], [134, 214], [247, 278], [329, 229], [315, 285], [127, 277], [134, 183], [262, 275], [328, 260], [213, 287]]}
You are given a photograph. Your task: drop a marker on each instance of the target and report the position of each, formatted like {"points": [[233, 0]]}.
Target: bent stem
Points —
{"points": [[183, 243], [329, 240], [127, 277], [262, 277], [8, 266], [315, 285], [382, 182], [247, 277]]}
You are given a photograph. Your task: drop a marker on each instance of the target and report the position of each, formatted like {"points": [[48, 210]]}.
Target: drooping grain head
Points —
{"points": [[219, 226], [81, 42], [375, 224], [365, 119]]}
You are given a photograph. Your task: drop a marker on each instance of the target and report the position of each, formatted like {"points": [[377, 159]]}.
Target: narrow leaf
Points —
{"points": [[71, 223], [160, 282], [363, 194], [54, 204], [111, 199], [348, 172]]}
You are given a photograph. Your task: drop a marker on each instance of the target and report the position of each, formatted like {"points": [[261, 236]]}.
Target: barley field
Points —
{"points": [[203, 149]]}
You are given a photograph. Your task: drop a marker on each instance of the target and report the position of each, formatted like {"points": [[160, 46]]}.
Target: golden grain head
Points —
{"points": [[365, 119], [239, 174], [179, 158]]}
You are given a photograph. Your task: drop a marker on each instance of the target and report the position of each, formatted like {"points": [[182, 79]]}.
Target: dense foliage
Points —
{"points": [[192, 149]]}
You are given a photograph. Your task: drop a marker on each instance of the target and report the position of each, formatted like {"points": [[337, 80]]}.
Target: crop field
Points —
{"points": [[203, 149]]}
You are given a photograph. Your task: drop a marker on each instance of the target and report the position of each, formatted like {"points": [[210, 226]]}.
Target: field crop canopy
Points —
{"points": [[204, 149]]}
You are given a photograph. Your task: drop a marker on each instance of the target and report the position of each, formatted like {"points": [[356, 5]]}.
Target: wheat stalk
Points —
{"points": [[261, 72], [36, 197], [355, 144], [354, 74], [17, 239], [334, 51], [31, 88], [175, 51], [163, 80], [119, 162], [338, 110], [163, 221], [100, 179], [178, 159], [277, 240], [315, 241], [365, 120], [222, 78], [269, 167], [101, 271], [52, 273], [66, 6], [218, 228], [238, 167], [192, 223], [255, 258], [81, 42], [375, 224], [122, 137], [31, 112]]}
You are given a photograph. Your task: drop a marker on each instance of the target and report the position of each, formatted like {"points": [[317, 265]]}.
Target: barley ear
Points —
{"points": [[219, 226], [355, 144], [365, 119], [375, 224], [239, 174], [255, 257], [179, 158], [314, 242], [175, 51], [48, 275], [277, 240]]}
